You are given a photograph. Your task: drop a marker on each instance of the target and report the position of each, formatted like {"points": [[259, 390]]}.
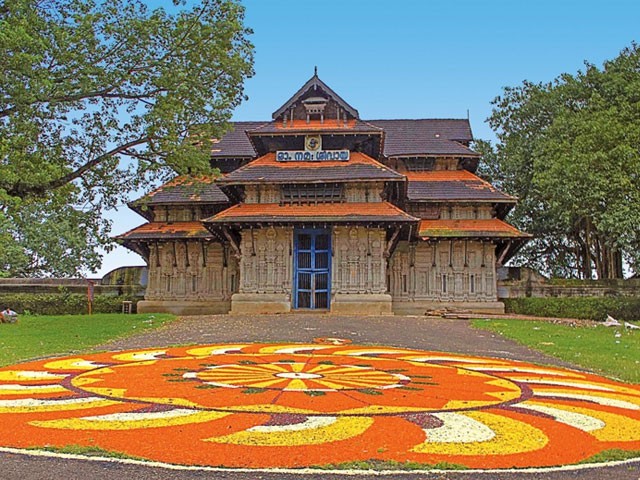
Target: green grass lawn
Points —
{"points": [[614, 352], [43, 336]]}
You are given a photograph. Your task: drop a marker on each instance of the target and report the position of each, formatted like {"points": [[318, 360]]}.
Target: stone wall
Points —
{"points": [[518, 282], [358, 266], [358, 280], [442, 274], [187, 277]]}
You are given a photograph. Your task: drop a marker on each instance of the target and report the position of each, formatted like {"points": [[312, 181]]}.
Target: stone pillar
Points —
{"points": [[265, 271], [359, 267]]}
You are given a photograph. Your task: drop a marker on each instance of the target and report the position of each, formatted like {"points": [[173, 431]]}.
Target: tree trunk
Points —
{"points": [[588, 272]]}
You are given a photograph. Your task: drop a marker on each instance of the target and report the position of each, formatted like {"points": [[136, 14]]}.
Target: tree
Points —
{"points": [[98, 98], [570, 150]]}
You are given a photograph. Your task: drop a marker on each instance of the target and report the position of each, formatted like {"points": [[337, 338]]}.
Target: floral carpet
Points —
{"points": [[300, 405]]}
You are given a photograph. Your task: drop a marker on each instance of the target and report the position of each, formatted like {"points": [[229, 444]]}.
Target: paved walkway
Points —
{"points": [[447, 335]]}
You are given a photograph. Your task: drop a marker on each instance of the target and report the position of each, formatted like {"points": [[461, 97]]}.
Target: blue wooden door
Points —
{"points": [[312, 269]]}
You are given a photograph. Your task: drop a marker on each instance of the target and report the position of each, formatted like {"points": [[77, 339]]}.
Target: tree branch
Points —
{"points": [[23, 190]]}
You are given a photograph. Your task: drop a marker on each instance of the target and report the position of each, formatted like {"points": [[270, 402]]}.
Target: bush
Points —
{"points": [[63, 303], [588, 308]]}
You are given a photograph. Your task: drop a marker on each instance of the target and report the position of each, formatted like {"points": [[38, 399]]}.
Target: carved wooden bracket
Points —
{"points": [[232, 242], [391, 242]]}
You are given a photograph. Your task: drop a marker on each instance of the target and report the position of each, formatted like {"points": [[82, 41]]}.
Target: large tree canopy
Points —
{"points": [[570, 150], [97, 98]]}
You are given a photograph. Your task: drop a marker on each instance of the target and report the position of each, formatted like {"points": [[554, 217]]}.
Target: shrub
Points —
{"points": [[63, 303], [588, 308]]}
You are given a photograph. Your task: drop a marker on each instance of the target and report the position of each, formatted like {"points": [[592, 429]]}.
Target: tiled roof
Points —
{"points": [[328, 212], [184, 189], [429, 136], [402, 137], [236, 143], [468, 228], [267, 169], [452, 185], [329, 125], [166, 230]]}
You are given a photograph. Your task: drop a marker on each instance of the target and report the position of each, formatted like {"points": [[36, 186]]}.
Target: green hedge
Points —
{"points": [[589, 308], [63, 303]]}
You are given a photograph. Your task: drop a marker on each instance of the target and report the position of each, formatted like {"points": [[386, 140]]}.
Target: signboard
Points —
{"points": [[313, 156]]}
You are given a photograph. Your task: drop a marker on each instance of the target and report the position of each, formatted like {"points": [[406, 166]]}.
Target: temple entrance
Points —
{"points": [[312, 269]]}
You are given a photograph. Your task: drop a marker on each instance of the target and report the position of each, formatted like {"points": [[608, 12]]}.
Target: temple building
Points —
{"points": [[318, 209]]}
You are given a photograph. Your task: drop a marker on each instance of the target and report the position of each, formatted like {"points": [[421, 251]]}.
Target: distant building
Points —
{"points": [[321, 210]]}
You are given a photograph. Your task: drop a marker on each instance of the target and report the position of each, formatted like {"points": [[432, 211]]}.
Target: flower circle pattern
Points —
{"points": [[260, 405]]}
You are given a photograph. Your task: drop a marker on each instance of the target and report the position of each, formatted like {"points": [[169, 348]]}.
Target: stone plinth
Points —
{"points": [[255, 303], [361, 304]]}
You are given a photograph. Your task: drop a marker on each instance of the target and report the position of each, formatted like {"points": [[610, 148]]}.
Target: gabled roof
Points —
{"points": [[267, 169], [181, 190], [265, 213], [166, 231], [427, 136], [402, 137], [185, 189], [236, 143], [315, 83], [451, 186], [487, 228]]}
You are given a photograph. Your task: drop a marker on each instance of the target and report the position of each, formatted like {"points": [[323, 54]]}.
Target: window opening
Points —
{"points": [[312, 193]]}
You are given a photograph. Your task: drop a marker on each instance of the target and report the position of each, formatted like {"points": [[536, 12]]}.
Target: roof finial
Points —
{"points": [[315, 70]]}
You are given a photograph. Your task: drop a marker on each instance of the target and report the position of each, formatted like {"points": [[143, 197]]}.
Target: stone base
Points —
{"points": [[422, 307], [183, 307], [362, 304], [256, 303]]}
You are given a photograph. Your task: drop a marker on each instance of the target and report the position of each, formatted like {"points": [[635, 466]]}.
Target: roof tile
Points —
{"points": [[184, 189], [452, 185], [166, 230], [328, 212], [267, 169], [468, 228]]}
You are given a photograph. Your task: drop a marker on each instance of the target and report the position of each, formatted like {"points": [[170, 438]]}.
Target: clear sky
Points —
{"points": [[416, 58]]}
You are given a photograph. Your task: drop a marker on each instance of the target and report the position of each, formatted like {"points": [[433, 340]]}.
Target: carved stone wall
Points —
{"points": [[364, 193], [177, 214], [358, 263], [447, 271], [267, 263], [466, 212], [262, 194], [358, 192], [191, 271]]}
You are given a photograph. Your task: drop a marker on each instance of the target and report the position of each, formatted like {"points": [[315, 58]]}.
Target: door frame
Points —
{"points": [[314, 232]]}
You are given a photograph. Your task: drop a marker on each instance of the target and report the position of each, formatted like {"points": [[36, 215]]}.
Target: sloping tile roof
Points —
{"points": [[329, 212], [236, 143], [429, 136], [402, 137], [468, 228], [329, 125], [167, 231], [452, 185], [267, 169], [184, 189]]}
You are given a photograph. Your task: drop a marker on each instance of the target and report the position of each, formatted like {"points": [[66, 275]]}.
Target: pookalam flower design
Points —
{"points": [[299, 405]]}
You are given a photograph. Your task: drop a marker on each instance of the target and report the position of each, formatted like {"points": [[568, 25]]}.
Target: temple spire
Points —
{"points": [[315, 70]]}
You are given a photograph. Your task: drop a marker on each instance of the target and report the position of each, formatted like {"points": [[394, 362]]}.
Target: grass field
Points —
{"points": [[42, 336], [614, 352]]}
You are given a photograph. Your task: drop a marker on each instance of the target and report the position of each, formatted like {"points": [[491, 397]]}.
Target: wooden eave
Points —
{"points": [[315, 82]]}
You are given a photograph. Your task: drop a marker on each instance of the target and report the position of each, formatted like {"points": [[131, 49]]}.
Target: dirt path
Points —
{"points": [[438, 334]]}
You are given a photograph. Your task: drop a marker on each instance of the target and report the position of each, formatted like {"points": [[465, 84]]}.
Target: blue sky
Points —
{"points": [[417, 59]]}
